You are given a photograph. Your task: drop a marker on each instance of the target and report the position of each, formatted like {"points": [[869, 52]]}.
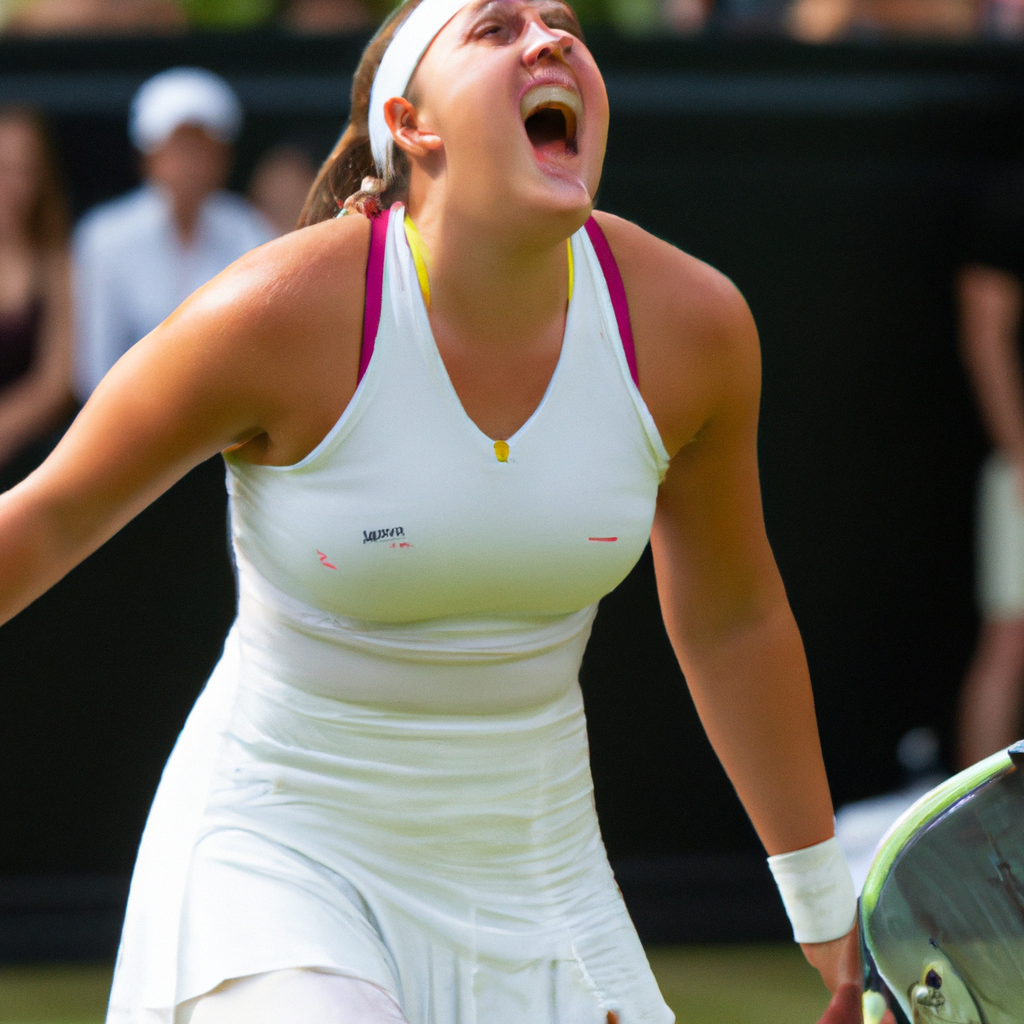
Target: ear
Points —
{"points": [[409, 133]]}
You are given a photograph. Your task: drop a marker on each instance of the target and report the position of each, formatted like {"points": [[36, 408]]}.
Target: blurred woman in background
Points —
{"points": [[280, 183], [35, 294], [818, 21]]}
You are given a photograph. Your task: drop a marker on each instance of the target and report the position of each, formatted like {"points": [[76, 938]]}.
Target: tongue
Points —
{"points": [[550, 150]]}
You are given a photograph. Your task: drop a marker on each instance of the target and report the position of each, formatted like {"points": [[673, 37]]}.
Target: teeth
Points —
{"points": [[557, 97]]}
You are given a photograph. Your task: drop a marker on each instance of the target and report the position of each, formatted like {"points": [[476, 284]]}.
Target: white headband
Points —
{"points": [[400, 60]]}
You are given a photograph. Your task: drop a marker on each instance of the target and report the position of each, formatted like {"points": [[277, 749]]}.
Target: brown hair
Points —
{"points": [[341, 179], [47, 218]]}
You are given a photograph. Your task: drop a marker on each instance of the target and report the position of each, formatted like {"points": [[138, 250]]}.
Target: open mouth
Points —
{"points": [[551, 114]]}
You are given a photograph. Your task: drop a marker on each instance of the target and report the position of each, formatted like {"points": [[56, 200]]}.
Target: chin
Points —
{"points": [[562, 191], [565, 204], [524, 195]]}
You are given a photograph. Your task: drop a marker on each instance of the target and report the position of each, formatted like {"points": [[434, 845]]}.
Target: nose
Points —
{"points": [[543, 41]]}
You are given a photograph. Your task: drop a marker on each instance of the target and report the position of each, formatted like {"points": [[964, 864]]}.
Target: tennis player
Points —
{"points": [[452, 420]]}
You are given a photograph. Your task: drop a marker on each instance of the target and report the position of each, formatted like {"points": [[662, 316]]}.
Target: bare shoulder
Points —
{"points": [[300, 277], [697, 346], [667, 286], [274, 339]]}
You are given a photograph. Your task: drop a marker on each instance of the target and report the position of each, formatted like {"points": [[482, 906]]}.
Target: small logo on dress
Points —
{"points": [[501, 450], [603, 540], [375, 536], [325, 563]]}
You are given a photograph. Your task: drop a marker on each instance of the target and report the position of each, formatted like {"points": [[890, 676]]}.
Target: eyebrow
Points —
{"points": [[482, 5]]}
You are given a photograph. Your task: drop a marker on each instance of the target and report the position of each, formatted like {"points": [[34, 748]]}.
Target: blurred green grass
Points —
{"points": [[703, 984], [739, 984], [54, 993]]}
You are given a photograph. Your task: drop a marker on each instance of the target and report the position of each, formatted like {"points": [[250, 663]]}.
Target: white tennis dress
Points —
{"points": [[387, 774]]}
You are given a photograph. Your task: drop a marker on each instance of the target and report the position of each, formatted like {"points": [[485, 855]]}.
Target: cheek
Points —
{"points": [[596, 98], [477, 113], [478, 137]]}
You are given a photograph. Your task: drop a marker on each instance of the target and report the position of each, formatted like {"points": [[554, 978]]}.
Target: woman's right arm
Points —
{"points": [[238, 362]]}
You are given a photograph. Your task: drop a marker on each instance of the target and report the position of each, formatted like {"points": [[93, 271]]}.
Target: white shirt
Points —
{"points": [[132, 269]]}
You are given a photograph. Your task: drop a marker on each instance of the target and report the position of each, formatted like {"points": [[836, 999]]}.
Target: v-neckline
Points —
{"points": [[434, 353]]}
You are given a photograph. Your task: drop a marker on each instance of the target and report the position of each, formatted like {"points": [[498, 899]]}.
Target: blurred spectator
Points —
{"points": [[1003, 18], [685, 16], [991, 293], [950, 18], [280, 184], [93, 17], [819, 21], [35, 295], [140, 256], [645, 17], [322, 16], [822, 20]]}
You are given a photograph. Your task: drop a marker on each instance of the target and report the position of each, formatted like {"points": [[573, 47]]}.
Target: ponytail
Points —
{"points": [[348, 178]]}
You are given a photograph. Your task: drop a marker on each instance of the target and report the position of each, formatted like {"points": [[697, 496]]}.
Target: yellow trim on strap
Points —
{"points": [[420, 257], [421, 260], [572, 269]]}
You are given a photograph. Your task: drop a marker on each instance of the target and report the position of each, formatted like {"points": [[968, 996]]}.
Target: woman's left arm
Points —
{"points": [[722, 598], [36, 402], [729, 620]]}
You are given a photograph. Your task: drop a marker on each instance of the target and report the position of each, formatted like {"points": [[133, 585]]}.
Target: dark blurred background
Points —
{"points": [[823, 155]]}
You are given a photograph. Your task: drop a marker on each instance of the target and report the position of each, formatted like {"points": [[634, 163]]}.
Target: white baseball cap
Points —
{"points": [[183, 96]]}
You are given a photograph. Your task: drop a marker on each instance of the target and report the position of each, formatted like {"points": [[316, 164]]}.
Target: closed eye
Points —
{"points": [[509, 22], [492, 30], [564, 22], [558, 16]]}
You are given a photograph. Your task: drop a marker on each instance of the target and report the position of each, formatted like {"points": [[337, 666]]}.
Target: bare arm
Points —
{"points": [[259, 357], [36, 402], [723, 601], [160, 412], [729, 620], [990, 317]]}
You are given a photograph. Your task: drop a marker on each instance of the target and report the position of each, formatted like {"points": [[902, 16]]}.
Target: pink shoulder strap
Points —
{"points": [[616, 292], [374, 288]]}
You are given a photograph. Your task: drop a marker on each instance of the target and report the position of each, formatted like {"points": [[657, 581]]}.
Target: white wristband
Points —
{"points": [[817, 891]]}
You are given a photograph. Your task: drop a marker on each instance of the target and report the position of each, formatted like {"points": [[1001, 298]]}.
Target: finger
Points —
{"points": [[850, 970], [845, 1006]]}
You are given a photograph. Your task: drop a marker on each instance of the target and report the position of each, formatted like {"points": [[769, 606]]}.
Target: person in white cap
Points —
{"points": [[452, 421], [139, 256]]}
